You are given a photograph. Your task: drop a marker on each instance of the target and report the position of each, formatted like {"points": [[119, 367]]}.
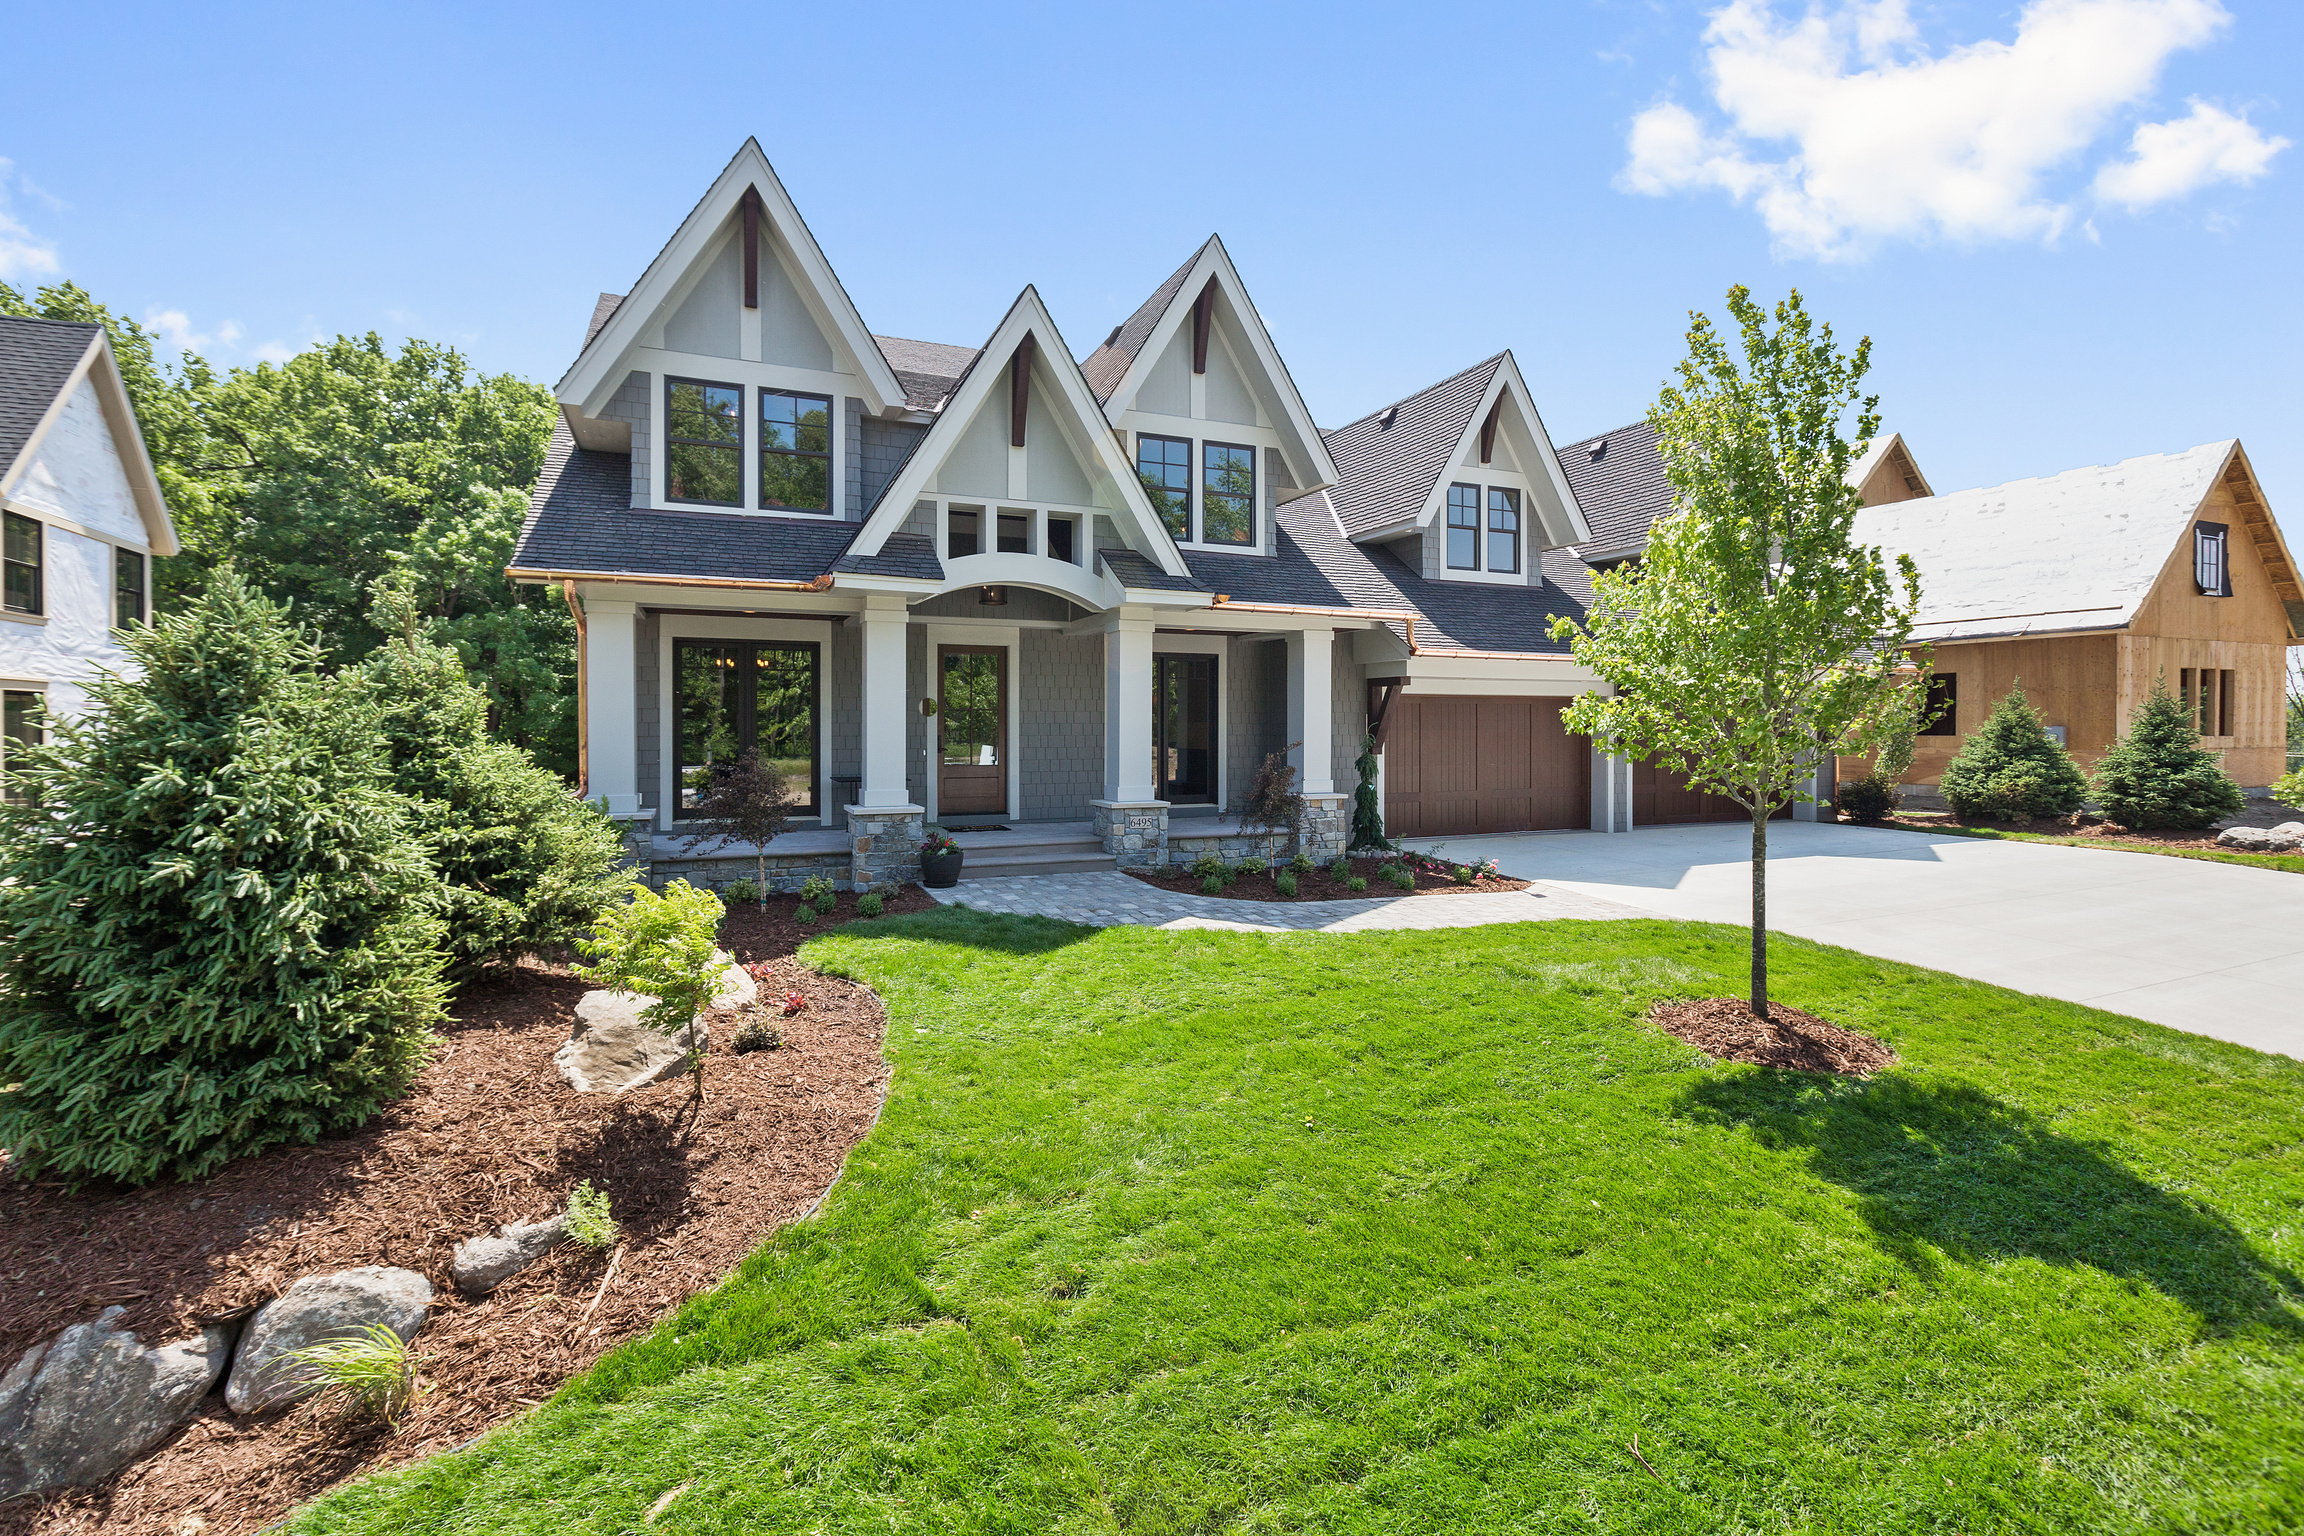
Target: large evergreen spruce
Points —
{"points": [[2012, 769], [524, 864], [218, 924], [2160, 776]]}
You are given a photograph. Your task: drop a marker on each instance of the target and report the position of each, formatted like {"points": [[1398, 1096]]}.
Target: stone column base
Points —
{"points": [[1134, 832], [639, 834], [1327, 826], [884, 846]]}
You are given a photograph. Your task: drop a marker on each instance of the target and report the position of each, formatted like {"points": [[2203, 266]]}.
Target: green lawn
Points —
{"points": [[1415, 1232]]}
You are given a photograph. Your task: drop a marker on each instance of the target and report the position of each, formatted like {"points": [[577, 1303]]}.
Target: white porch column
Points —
{"points": [[887, 702], [612, 704], [1311, 706], [1128, 709]]}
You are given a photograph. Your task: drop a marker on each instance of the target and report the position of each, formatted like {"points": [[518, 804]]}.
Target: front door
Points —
{"points": [[972, 730], [1184, 729]]}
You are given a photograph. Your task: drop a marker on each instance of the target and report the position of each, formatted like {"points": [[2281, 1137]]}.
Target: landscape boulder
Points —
{"points": [[2289, 835], [2248, 839], [86, 1403], [483, 1263], [614, 1050], [313, 1310]]}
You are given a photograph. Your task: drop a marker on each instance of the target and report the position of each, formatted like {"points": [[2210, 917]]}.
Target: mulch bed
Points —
{"points": [[1726, 1029], [1321, 886], [2111, 834], [491, 1134]]}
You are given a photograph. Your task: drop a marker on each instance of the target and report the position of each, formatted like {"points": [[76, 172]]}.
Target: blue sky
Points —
{"points": [[1405, 189]]}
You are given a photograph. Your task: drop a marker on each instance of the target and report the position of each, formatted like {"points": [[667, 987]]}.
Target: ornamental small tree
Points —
{"points": [[524, 864], [1272, 801], [2160, 776], [1756, 631], [747, 801], [1367, 804], [218, 927], [2011, 769], [666, 947], [1878, 795]]}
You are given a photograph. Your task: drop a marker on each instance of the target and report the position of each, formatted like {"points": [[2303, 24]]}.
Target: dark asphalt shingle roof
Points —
{"points": [[602, 308], [581, 521], [36, 359], [928, 370], [1623, 491], [1131, 569], [1105, 367], [1387, 472], [905, 554]]}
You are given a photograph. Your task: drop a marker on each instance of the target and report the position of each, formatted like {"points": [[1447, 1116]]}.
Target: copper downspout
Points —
{"points": [[583, 698]]}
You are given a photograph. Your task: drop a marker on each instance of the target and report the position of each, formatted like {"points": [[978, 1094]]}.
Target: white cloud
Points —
{"points": [[274, 352], [175, 327], [22, 253], [2169, 160], [1883, 139]]}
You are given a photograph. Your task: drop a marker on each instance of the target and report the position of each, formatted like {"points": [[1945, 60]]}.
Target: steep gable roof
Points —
{"points": [[1619, 482], [928, 370], [1388, 461], [1105, 367], [38, 359]]}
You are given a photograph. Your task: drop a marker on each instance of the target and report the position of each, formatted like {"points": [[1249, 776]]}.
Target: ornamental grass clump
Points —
{"points": [[370, 1367], [219, 928], [1285, 883], [2160, 776], [2012, 769]]}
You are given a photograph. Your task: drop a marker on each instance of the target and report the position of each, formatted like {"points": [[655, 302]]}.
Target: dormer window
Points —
{"points": [[795, 451], [1503, 529], [2211, 565], [1463, 527], [1165, 466], [703, 443], [1227, 494]]}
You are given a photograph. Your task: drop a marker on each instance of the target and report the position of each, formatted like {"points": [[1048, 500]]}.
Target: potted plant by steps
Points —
{"points": [[939, 859]]}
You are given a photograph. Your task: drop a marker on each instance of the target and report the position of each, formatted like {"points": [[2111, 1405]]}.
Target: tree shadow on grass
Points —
{"points": [[1947, 1167], [963, 924]]}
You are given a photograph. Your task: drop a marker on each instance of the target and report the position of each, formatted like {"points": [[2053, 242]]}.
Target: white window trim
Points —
{"points": [[698, 626], [1487, 479], [1198, 433], [748, 445]]}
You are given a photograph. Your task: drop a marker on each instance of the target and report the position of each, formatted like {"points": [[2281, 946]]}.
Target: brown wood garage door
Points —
{"points": [[1663, 799], [1456, 764]]}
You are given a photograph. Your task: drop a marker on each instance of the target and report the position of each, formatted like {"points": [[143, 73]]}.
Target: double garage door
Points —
{"points": [[1458, 764]]}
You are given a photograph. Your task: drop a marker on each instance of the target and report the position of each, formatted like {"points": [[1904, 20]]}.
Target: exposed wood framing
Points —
{"points": [[1020, 389], [1203, 318], [751, 205]]}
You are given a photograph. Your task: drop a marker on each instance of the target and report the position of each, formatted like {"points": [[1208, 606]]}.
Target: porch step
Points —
{"points": [[1040, 861]]}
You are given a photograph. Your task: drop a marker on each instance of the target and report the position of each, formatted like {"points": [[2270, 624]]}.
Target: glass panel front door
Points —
{"points": [[1184, 729], [733, 696], [972, 731]]}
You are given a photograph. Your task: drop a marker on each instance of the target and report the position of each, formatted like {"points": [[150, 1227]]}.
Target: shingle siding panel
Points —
{"points": [[1059, 689], [631, 405]]}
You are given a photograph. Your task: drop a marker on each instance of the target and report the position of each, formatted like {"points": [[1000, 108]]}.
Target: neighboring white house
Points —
{"points": [[81, 518]]}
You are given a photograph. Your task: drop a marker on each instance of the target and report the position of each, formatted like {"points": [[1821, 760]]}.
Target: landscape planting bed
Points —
{"points": [[2181, 844], [1792, 1039], [1321, 886], [491, 1134]]}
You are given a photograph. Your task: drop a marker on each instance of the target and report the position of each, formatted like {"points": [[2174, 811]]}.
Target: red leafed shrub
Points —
{"points": [[793, 1003]]}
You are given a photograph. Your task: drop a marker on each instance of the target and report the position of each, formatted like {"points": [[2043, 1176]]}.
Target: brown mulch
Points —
{"points": [[2109, 832], [1726, 1029], [490, 1134], [1320, 886]]}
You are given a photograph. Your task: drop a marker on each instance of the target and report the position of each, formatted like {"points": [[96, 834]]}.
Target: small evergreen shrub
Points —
{"points": [[804, 915], [1285, 883], [1868, 801], [1462, 874], [871, 904], [1340, 868], [2288, 789], [1207, 865], [1253, 865], [1356, 883], [590, 1221], [1302, 865], [756, 1034], [740, 890], [1212, 885], [2160, 776], [219, 930], [820, 893], [2012, 769]]}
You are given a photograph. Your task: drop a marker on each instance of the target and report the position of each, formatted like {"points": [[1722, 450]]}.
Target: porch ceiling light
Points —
{"points": [[992, 597]]}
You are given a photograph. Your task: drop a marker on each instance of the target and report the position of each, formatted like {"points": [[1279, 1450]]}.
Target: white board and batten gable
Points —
{"points": [[1195, 365], [1061, 486], [80, 491], [771, 319]]}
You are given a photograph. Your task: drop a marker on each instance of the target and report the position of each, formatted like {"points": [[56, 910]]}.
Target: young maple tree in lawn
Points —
{"points": [[1756, 634], [747, 801]]}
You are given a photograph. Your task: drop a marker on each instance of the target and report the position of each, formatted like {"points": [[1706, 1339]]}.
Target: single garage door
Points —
{"points": [[1660, 799], [1457, 764]]}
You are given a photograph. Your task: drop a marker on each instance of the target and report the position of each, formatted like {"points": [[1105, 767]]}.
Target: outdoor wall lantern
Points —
{"points": [[992, 597]]}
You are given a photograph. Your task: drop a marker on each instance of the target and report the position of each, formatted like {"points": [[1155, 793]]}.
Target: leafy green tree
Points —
{"points": [[525, 865], [2159, 775], [1756, 631], [664, 946], [2012, 769], [218, 925]]}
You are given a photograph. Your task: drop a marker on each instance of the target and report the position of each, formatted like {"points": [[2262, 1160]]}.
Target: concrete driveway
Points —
{"points": [[2217, 949]]}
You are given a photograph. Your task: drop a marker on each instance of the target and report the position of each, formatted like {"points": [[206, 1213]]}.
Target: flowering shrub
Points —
{"points": [[938, 841]]}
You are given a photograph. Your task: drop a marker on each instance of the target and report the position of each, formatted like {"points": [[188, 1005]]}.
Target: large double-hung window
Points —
{"points": [[795, 451], [22, 588], [1165, 466], [1227, 494], [1463, 527], [703, 443]]}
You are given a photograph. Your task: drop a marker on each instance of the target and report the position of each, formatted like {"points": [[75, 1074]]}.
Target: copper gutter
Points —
{"points": [[583, 701], [1385, 615]]}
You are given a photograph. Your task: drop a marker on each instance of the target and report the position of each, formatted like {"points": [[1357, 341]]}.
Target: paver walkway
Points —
{"points": [[1109, 898]]}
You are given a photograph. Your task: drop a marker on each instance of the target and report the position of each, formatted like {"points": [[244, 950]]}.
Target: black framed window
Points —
{"points": [[1227, 494], [127, 588], [1503, 529], [795, 451], [963, 532], [21, 559], [2211, 559], [1943, 706], [1165, 466], [19, 727], [703, 442], [738, 696], [1463, 527]]}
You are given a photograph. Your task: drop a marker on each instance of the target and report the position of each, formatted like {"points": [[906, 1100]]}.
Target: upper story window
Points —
{"points": [[1503, 529], [2211, 565], [1463, 527], [20, 565], [1165, 466], [1227, 494], [703, 442], [795, 451], [1942, 706], [127, 588]]}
